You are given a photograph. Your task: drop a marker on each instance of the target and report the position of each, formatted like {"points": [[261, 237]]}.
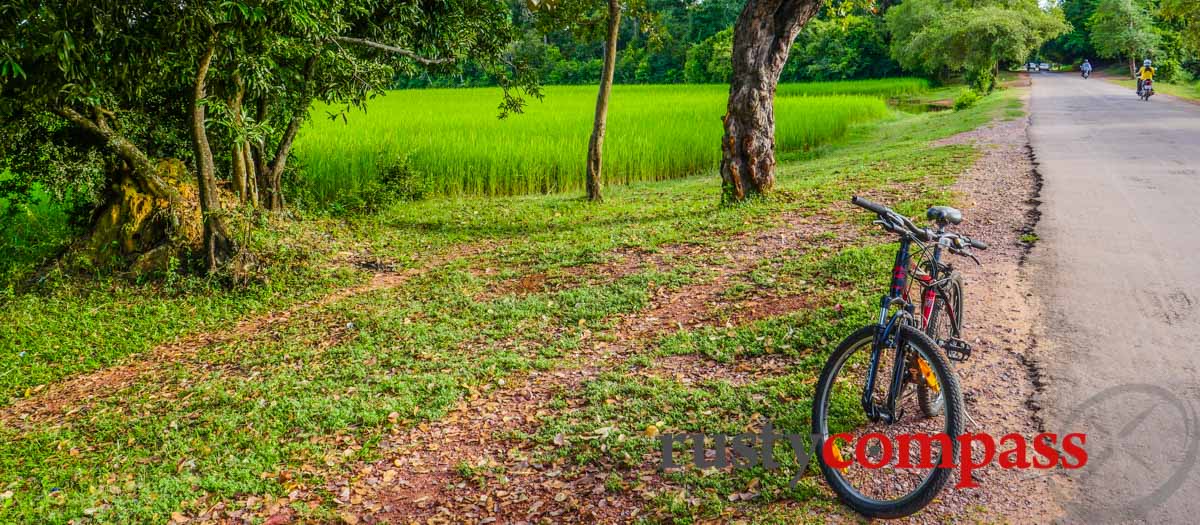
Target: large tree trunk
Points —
{"points": [[596, 144], [762, 38], [219, 247]]}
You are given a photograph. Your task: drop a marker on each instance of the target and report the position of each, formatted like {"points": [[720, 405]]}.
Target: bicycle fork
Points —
{"points": [[888, 328]]}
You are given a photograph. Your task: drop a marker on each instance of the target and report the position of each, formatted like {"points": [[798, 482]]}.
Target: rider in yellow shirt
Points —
{"points": [[1145, 73]]}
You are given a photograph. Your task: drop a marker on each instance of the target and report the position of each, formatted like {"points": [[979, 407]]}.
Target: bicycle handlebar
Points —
{"points": [[877, 208], [897, 223]]}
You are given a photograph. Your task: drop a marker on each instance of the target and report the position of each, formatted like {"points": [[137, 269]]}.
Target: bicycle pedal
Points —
{"points": [[957, 349]]}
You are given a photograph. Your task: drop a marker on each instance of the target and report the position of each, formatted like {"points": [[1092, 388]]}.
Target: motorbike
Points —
{"points": [[1086, 73], [1145, 89]]}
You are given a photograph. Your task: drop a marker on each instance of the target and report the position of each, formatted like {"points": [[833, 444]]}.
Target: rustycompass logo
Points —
{"points": [[876, 450]]}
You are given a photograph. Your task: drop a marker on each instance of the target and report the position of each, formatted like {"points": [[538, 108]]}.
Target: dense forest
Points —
{"points": [[684, 41]]}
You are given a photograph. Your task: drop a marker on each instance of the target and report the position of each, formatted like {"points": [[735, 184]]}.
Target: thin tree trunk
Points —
{"points": [[238, 156], [273, 192], [251, 174], [218, 245], [762, 38], [596, 144], [258, 152]]}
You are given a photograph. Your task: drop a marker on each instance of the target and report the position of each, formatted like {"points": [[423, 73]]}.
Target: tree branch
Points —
{"points": [[395, 50]]}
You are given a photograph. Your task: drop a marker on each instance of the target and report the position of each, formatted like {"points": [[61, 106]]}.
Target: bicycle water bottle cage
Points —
{"points": [[944, 215]]}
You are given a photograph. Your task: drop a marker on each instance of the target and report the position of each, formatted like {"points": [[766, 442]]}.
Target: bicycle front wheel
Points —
{"points": [[895, 468]]}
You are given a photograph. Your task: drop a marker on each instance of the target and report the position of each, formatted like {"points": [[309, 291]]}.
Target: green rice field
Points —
{"points": [[453, 140]]}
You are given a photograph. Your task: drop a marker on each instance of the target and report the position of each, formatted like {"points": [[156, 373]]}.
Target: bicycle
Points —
{"points": [[854, 399]]}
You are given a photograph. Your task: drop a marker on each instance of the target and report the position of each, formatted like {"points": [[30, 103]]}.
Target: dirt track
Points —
{"points": [[1116, 273]]}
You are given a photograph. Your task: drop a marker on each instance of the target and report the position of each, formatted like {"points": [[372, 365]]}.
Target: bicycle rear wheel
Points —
{"points": [[889, 479], [945, 323]]}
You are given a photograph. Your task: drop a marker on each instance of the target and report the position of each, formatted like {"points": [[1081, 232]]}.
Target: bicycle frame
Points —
{"points": [[890, 321], [888, 324]]}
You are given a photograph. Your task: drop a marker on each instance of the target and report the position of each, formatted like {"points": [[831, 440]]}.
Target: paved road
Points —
{"points": [[1117, 269]]}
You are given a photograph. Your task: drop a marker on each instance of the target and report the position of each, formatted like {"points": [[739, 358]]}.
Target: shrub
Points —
{"points": [[965, 99]]}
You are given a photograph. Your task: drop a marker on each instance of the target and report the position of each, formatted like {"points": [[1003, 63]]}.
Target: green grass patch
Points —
{"points": [[452, 141], [321, 390]]}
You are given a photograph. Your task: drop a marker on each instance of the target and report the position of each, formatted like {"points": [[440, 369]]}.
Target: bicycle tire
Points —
{"points": [[936, 481]]}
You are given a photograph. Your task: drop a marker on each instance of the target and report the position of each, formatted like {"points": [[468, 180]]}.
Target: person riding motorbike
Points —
{"points": [[1086, 68], [1146, 72]]}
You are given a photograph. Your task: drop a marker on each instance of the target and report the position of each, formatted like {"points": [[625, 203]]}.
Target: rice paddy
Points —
{"points": [[453, 140]]}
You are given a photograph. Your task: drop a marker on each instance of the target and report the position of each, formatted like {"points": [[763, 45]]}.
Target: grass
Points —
{"points": [[265, 415], [453, 140]]}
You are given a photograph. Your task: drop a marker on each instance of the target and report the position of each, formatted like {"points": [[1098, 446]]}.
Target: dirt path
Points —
{"points": [[999, 382], [420, 476], [468, 467], [73, 395]]}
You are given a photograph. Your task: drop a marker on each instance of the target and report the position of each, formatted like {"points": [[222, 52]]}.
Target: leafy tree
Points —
{"points": [[1123, 27], [934, 35], [710, 61], [586, 17], [848, 47], [1076, 43], [123, 95], [1186, 12]]}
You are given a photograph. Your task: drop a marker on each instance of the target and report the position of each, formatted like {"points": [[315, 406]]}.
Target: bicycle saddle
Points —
{"points": [[944, 215]]}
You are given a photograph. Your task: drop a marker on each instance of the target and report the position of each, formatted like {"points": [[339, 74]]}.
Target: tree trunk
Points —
{"points": [[762, 38], [596, 144], [258, 154], [237, 157], [219, 247], [251, 174], [142, 170], [272, 188], [149, 214]]}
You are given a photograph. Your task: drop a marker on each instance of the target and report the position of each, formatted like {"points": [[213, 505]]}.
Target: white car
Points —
{"points": [[1044, 66]]}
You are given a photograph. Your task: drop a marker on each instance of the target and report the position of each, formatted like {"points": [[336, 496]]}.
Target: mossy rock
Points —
{"points": [[134, 228]]}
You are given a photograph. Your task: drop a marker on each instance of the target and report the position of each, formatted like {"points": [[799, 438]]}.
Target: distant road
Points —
{"points": [[1117, 270]]}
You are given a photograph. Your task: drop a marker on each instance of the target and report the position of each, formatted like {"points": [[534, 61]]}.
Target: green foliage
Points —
{"points": [[1076, 43], [936, 35], [1187, 13], [965, 99], [660, 132], [1122, 28], [89, 95], [709, 62], [850, 47]]}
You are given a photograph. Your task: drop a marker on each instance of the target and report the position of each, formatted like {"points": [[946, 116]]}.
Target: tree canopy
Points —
{"points": [[969, 36], [93, 97], [1122, 28]]}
